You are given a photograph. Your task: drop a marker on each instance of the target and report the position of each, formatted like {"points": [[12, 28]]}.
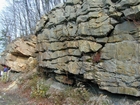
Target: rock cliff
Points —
{"points": [[97, 40], [86, 40]]}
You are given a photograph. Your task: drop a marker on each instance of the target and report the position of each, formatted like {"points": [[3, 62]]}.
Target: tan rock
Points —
{"points": [[64, 79], [32, 63], [88, 46], [74, 67]]}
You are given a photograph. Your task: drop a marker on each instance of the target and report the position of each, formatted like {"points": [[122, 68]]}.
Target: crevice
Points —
{"points": [[116, 1], [110, 33]]}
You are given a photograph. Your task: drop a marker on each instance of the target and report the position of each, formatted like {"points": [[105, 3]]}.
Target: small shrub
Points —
{"points": [[40, 89], [71, 96], [80, 94], [58, 98], [101, 100], [5, 77], [29, 82]]}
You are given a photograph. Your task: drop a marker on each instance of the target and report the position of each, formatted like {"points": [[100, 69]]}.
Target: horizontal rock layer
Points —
{"points": [[20, 54], [96, 39]]}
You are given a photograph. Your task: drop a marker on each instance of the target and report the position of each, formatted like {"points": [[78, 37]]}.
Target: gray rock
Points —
{"points": [[125, 28], [70, 12], [102, 40], [99, 29], [94, 14], [87, 46], [89, 75], [43, 35], [73, 2], [82, 18], [94, 3], [41, 23], [83, 29], [119, 38], [125, 4], [74, 67], [72, 29], [132, 13], [121, 51], [58, 85], [81, 32]]}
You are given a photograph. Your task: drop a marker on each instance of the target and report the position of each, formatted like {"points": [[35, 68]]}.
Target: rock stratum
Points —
{"points": [[96, 39], [90, 40], [20, 55]]}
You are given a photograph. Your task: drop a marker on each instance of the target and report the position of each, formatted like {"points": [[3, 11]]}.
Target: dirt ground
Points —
{"points": [[17, 97], [21, 96], [10, 97]]}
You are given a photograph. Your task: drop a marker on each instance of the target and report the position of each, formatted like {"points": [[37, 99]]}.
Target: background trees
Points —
{"points": [[20, 17]]}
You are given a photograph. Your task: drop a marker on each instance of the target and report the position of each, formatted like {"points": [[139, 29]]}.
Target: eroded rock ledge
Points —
{"points": [[98, 39], [20, 55]]}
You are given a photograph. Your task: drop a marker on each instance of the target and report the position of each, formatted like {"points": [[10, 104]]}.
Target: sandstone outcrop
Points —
{"points": [[96, 39], [20, 55]]}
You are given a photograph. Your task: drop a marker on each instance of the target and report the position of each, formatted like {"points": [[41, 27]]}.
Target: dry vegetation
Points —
{"points": [[37, 92]]}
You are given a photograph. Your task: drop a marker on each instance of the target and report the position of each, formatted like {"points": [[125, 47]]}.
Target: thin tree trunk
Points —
{"points": [[28, 19]]}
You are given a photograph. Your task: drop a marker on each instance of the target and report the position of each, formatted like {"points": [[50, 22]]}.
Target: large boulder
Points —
{"points": [[95, 40]]}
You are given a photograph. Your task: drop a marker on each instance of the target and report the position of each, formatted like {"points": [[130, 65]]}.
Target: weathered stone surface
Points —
{"points": [[70, 12], [84, 29], [59, 54], [43, 35], [23, 47], [124, 4], [74, 67], [20, 55], [119, 38], [125, 28], [41, 23], [97, 39], [133, 12], [56, 16], [22, 64], [72, 29], [73, 1], [123, 63], [121, 51], [99, 28], [96, 27], [64, 79], [32, 63], [82, 18], [89, 75], [102, 40], [87, 46], [121, 4]]}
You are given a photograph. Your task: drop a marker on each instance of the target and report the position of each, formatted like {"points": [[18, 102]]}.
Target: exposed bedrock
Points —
{"points": [[20, 55], [96, 39]]}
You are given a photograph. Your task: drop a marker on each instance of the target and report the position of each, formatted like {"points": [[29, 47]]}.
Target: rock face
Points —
{"points": [[96, 39], [20, 54]]}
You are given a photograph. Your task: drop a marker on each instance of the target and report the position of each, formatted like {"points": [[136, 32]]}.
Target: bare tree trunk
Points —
{"points": [[21, 16], [38, 7], [14, 18], [28, 17]]}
